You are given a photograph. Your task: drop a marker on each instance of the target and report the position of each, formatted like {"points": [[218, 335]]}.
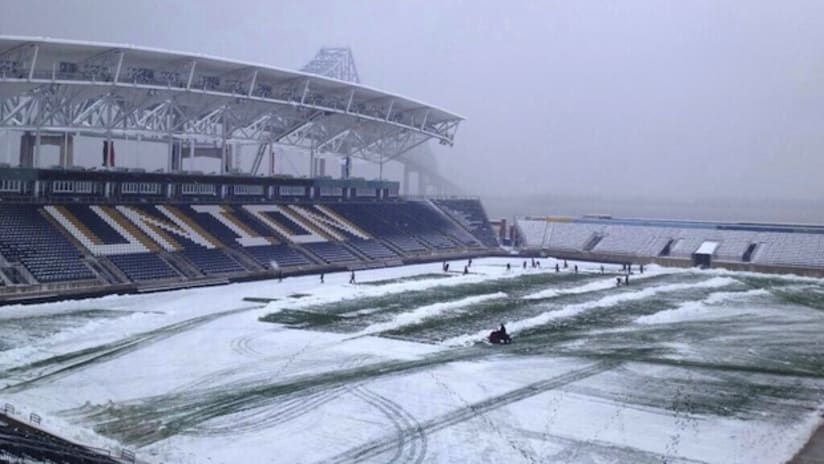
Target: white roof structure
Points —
{"points": [[707, 248], [115, 91]]}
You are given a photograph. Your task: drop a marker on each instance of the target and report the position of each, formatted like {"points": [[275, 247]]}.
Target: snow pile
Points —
{"points": [[573, 310], [427, 312], [708, 307]]}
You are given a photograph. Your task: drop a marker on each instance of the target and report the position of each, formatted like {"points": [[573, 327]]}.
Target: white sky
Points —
{"points": [[667, 98]]}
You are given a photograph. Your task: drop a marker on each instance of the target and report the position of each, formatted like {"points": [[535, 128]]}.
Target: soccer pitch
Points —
{"points": [[679, 366]]}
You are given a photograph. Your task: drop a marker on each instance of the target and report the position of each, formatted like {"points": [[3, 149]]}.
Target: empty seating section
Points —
{"points": [[213, 261], [272, 256], [631, 241], [27, 237], [436, 240], [331, 252], [643, 239], [569, 236], [373, 249], [463, 237], [206, 260], [400, 223], [471, 214], [215, 227], [143, 266], [251, 221], [405, 243], [94, 223], [790, 249], [684, 247], [289, 224], [733, 244]]}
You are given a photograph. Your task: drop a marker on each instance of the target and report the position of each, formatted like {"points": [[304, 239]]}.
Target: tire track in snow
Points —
{"points": [[625, 453], [403, 422], [271, 417], [150, 419], [50, 369], [280, 413], [243, 346], [385, 444]]}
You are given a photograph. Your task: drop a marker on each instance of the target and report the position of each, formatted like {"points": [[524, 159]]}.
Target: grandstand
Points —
{"points": [[75, 229], [90, 241], [744, 246], [23, 441]]}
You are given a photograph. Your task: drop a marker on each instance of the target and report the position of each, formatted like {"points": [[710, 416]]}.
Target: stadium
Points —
{"points": [[215, 309]]}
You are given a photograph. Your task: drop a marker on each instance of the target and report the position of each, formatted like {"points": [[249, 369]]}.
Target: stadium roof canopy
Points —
{"points": [[120, 91]]}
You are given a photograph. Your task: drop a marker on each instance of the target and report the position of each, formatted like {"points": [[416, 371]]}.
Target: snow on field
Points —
{"points": [[679, 366]]}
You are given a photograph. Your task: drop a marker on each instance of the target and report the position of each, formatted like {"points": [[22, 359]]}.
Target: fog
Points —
{"points": [[701, 103]]}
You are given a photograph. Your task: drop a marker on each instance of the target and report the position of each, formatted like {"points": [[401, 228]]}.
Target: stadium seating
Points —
{"points": [[27, 237], [470, 214], [280, 256], [407, 225], [331, 252], [373, 249], [143, 266], [213, 261], [162, 241], [95, 224], [21, 443], [219, 230], [437, 240], [806, 250], [636, 238], [405, 243]]}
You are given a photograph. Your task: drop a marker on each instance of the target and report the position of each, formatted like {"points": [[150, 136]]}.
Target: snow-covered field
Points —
{"points": [[681, 366]]}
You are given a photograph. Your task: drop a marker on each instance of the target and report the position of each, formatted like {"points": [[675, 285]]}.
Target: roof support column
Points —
{"points": [[67, 151], [312, 161], [170, 153], [405, 180]]}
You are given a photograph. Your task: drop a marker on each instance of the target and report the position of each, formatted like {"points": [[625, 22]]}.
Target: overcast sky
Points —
{"points": [[677, 99]]}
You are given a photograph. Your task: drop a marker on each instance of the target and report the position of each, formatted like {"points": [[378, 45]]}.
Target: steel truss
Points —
{"points": [[179, 98]]}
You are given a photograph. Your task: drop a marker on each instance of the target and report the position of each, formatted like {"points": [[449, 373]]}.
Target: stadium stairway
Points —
{"points": [[471, 216], [180, 264], [106, 271], [243, 259]]}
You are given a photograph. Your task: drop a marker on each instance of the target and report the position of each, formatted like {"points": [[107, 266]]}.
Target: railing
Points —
{"points": [[75, 285], [35, 421], [440, 197]]}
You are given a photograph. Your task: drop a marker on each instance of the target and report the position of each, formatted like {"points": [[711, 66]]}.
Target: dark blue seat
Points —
{"points": [[373, 249], [95, 224], [274, 256], [212, 261], [143, 266], [27, 237], [331, 252]]}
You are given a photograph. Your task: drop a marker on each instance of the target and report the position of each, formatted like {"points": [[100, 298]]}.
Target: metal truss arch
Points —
{"points": [[118, 91]]}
